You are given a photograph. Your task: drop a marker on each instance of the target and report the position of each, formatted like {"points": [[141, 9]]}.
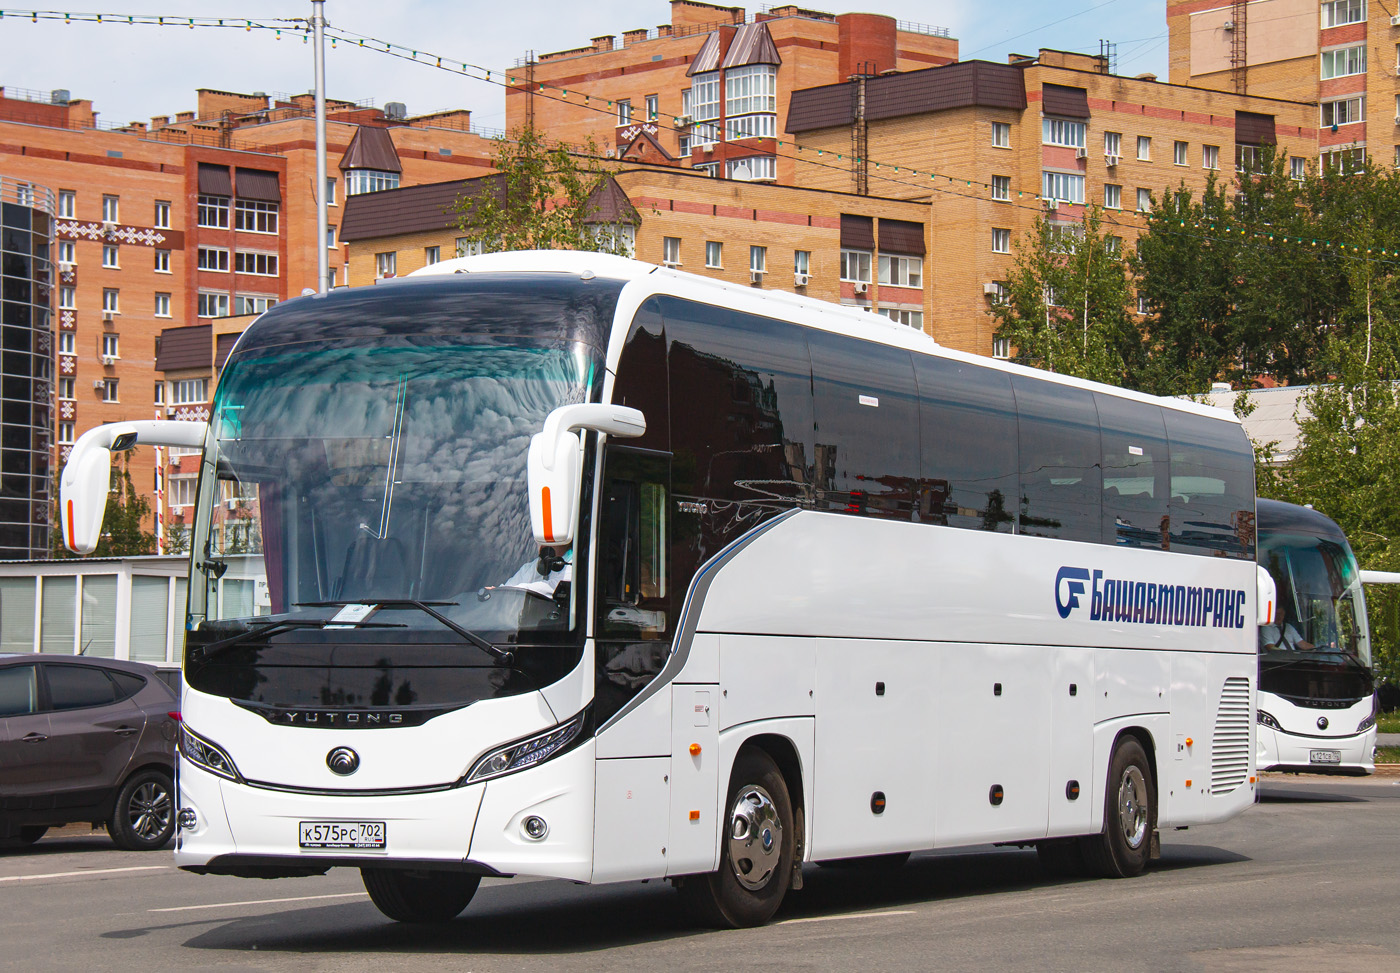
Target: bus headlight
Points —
{"points": [[212, 758], [526, 753], [1265, 719]]}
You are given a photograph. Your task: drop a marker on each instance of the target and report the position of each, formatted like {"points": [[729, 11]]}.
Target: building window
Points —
{"points": [[213, 212], [802, 262], [181, 491], [162, 219], [751, 89], [386, 264], [67, 298], [67, 203], [255, 262], [1001, 187], [1344, 61], [212, 305], [1344, 160], [1210, 157], [758, 260], [466, 248], [213, 258], [330, 278], [110, 209], [330, 237], [1142, 305], [109, 257], [1112, 196], [1179, 153], [704, 96], [109, 390], [1001, 347], [714, 254], [110, 299], [67, 252], [1247, 158], [1144, 148], [1066, 187], [915, 319], [1001, 240], [66, 343], [1340, 12], [162, 305], [1113, 144], [1343, 112], [65, 388], [855, 266], [1062, 131], [1144, 200], [65, 433], [243, 304], [111, 345], [1001, 135], [189, 391], [757, 166], [671, 251], [653, 106], [619, 238], [158, 395], [431, 255], [902, 271], [624, 111], [162, 261], [255, 216], [330, 190], [359, 181]]}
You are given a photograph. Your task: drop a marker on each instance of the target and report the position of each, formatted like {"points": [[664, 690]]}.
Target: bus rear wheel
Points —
{"points": [[1122, 849], [413, 896], [756, 849]]}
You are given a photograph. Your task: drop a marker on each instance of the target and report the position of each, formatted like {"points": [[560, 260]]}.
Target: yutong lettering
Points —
{"points": [[1147, 602], [332, 718]]}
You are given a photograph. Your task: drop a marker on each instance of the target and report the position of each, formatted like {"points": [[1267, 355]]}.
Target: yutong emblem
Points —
{"points": [[1322, 722], [343, 761]]}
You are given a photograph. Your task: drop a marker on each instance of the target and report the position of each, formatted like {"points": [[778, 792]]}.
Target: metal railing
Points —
{"points": [[28, 194]]}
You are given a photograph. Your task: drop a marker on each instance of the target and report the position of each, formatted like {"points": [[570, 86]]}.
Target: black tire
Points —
{"points": [[412, 896], [751, 881], [143, 819], [1129, 816], [891, 862], [1062, 857]]}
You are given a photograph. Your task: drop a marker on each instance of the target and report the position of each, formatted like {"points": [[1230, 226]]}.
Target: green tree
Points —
{"points": [[546, 196], [1066, 302], [123, 525]]}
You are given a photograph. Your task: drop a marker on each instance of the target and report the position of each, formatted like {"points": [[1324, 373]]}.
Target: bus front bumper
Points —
{"points": [[1286, 752]]}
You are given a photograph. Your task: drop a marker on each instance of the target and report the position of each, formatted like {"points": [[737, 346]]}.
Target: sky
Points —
{"points": [[133, 72]]}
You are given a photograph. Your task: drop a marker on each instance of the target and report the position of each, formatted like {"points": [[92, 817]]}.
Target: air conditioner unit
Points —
{"points": [[1397, 119], [862, 288], [1228, 25], [991, 289], [109, 226], [64, 266], [169, 411], [1052, 204], [1110, 160], [670, 263], [1081, 153], [756, 276], [800, 280], [97, 384], [109, 359], [109, 316], [1395, 21], [681, 121]]}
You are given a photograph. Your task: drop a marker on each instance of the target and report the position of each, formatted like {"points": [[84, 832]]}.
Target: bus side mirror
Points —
{"points": [[87, 476], [554, 464], [1268, 595]]}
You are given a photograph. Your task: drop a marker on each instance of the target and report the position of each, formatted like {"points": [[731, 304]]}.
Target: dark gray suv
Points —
{"points": [[87, 740]]}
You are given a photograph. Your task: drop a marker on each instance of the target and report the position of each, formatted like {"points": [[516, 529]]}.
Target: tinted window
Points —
{"points": [[1135, 472], [73, 687], [867, 426], [1061, 487], [127, 684], [1212, 486], [968, 430], [641, 376], [19, 690]]}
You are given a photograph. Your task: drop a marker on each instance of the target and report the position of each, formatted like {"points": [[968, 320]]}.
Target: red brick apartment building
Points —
{"points": [[707, 89], [188, 219]]}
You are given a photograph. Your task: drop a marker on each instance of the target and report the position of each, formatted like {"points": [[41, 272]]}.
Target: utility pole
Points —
{"points": [[318, 30]]}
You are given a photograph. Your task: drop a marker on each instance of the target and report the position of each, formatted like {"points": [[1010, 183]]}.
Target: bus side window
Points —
{"points": [[634, 546], [1212, 492], [1135, 468], [1061, 483], [967, 423]]}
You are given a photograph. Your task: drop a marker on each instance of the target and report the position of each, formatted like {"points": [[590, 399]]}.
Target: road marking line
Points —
{"points": [[849, 915], [229, 905], [88, 871]]}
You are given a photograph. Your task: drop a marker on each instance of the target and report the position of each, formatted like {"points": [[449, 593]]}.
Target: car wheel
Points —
{"points": [[144, 816], [406, 896]]}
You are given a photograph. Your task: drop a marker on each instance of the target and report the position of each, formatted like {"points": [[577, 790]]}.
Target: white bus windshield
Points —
{"points": [[1321, 613]]}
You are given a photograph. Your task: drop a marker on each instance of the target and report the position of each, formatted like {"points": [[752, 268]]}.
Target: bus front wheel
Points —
{"points": [[756, 849], [1123, 847], [413, 896]]}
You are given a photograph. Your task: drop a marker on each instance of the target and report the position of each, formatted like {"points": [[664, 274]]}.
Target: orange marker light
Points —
{"points": [[1189, 741], [1253, 779], [1188, 783], [695, 749], [695, 815], [548, 514]]}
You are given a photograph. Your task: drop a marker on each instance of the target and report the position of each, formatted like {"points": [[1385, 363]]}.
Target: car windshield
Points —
{"points": [[1322, 609], [370, 475]]}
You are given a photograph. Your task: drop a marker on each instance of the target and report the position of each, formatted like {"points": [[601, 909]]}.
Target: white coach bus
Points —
{"points": [[583, 568]]}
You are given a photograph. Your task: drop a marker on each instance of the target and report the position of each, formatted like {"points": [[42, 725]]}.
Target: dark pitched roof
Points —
{"points": [[190, 346], [959, 85], [611, 205], [371, 148], [1252, 128], [1064, 101], [708, 58], [752, 44]]}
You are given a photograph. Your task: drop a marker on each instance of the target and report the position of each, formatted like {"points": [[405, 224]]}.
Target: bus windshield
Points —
{"points": [[370, 474], [1320, 605]]}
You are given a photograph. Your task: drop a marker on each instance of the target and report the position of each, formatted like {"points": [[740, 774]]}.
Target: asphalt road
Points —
{"points": [[1307, 879]]}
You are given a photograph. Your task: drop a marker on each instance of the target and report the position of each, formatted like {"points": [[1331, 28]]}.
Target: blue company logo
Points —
{"points": [[1148, 602]]}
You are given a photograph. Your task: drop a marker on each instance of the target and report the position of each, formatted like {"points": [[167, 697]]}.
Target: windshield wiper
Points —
{"points": [[426, 607], [270, 628]]}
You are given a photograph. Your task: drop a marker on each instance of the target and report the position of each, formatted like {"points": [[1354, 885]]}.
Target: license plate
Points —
{"points": [[353, 835], [1325, 756]]}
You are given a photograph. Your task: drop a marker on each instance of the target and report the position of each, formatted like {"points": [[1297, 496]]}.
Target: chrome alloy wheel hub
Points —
{"points": [[755, 838], [1132, 807]]}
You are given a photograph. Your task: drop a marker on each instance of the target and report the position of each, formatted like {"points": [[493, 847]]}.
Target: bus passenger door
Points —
{"points": [[635, 615]]}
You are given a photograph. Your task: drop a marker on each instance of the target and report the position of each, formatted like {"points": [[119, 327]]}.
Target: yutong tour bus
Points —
{"points": [[579, 567]]}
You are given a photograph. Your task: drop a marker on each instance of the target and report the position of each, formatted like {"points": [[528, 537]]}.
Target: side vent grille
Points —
{"points": [[1229, 748]]}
